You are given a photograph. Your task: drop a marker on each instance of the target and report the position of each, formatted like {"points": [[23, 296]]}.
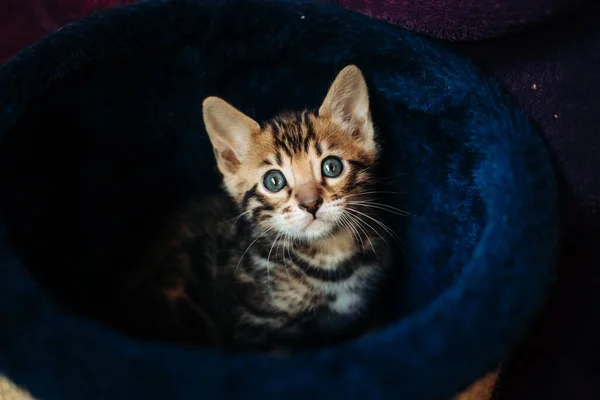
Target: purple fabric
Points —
{"points": [[547, 54], [463, 19]]}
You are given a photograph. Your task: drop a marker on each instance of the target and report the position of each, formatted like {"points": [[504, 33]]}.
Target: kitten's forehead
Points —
{"points": [[296, 139], [292, 134]]}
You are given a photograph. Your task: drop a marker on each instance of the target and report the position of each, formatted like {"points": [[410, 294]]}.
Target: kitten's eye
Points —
{"points": [[274, 181], [332, 167]]}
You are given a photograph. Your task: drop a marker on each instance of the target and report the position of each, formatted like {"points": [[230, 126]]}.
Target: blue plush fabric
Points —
{"points": [[102, 132]]}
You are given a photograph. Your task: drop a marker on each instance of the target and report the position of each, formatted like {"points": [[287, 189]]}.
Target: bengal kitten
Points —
{"points": [[292, 256]]}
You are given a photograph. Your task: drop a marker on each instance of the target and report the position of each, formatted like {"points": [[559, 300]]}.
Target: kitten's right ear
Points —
{"points": [[347, 101], [229, 131]]}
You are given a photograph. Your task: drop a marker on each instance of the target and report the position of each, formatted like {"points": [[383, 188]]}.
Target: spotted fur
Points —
{"points": [[297, 265]]}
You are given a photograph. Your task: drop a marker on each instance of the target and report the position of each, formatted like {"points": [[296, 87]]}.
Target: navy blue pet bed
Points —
{"points": [[101, 134]]}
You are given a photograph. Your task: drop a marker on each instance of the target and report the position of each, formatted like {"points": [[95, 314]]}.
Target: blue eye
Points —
{"points": [[274, 181], [332, 167]]}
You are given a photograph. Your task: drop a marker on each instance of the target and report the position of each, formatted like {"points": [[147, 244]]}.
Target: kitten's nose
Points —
{"points": [[311, 206], [309, 198]]}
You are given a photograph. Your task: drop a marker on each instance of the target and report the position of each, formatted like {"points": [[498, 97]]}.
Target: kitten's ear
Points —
{"points": [[229, 131], [348, 101]]}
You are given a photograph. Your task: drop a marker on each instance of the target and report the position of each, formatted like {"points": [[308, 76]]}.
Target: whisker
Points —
{"points": [[360, 221], [248, 248], [235, 219], [351, 225], [284, 242], [381, 224], [353, 218], [269, 258], [383, 207], [290, 248], [373, 192], [298, 270], [346, 223]]}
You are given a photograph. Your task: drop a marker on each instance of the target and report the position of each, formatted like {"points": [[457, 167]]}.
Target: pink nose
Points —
{"points": [[311, 206], [309, 198]]}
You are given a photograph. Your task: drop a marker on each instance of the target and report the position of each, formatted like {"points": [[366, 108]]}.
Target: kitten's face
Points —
{"points": [[299, 174]]}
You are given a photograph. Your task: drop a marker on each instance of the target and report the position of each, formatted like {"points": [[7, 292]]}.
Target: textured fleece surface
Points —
{"points": [[549, 63], [101, 131]]}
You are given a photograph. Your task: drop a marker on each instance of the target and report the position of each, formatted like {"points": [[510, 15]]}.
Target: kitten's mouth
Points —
{"points": [[314, 227]]}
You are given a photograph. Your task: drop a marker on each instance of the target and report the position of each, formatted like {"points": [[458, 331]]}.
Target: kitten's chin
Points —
{"points": [[305, 227], [317, 229]]}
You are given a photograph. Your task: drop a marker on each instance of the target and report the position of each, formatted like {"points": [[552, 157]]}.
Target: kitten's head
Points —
{"points": [[298, 174]]}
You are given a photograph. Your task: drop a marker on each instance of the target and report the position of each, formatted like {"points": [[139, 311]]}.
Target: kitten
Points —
{"points": [[290, 256]]}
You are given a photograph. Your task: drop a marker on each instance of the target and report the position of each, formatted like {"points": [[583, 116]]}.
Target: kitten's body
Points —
{"points": [[290, 256], [274, 295]]}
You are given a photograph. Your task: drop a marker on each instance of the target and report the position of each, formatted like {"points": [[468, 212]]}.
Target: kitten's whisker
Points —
{"points": [[293, 243], [269, 258], [360, 221], [235, 219], [372, 201], [352, 218], [355, 234], [351, 225], [346, 226], [381, 224], [284, 242], [248, 248], [373, 192], [381, 206]]}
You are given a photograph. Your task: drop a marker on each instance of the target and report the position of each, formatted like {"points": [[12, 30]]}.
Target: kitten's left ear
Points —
{"points": [[348, 102]]}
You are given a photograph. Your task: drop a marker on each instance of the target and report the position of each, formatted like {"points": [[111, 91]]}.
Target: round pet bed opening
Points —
{"points": [[103, 139], [116, 152]]}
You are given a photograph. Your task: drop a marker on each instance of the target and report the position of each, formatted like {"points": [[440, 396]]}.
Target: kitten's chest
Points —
{"points": [[349, 296], [313, 307], [300, 282]]}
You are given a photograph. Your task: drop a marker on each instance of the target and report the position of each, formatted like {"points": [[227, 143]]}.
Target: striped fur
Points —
{"points": [[297, 265]]}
